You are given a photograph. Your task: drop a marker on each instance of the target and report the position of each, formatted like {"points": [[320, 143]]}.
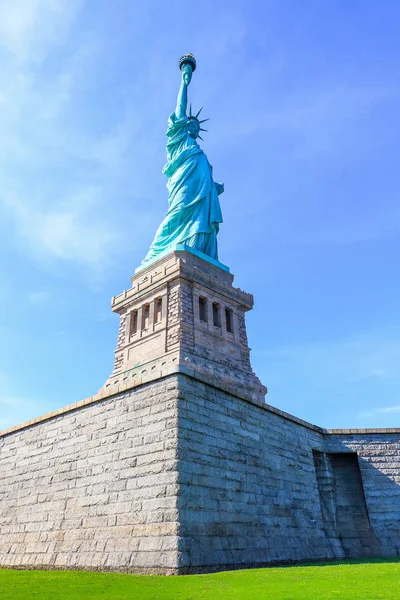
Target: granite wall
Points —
{"points": [[378, 453], [95, 487], [248, 490], [177, 475]]}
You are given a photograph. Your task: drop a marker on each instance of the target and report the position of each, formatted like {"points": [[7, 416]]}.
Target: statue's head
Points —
{"points": [[194, 124], [193, 127]]}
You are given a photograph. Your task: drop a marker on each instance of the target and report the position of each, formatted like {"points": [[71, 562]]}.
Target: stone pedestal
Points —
{"points": [[182, 314]]}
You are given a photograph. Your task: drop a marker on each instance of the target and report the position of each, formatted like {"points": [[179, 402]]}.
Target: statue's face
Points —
{"points": [[193, 128]]}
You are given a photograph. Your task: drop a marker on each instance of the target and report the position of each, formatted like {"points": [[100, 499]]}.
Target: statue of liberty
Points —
{"points": [[194, 211]]}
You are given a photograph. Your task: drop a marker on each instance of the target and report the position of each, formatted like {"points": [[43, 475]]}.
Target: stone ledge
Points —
{"points": [[362, 431], [138, 382], [214, 382], [185, 265]]}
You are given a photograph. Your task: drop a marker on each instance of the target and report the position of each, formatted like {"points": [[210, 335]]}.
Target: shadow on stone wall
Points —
{"points": [[363, 487]]}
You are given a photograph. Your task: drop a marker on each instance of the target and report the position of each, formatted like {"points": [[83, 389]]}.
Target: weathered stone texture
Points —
{"points": [[343, 506], [379, 461], [94, 488], [119, 352], [248, 491], [248, 486], [173, 312], [180, 316]]}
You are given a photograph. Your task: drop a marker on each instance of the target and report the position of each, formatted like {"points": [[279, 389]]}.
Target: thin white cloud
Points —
{"points": [[346, 375], [70, 231], [374, 355], [329, 125], [390, 409], [55, 216], [29, 27], [319, 121], [374, 412], [38, 298]]}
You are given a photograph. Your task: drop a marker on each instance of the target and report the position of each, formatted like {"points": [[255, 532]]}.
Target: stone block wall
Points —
{"points": [[343, 506], [249, 485], [96, 487], [248, 491], [378, 454], [178, 475]]}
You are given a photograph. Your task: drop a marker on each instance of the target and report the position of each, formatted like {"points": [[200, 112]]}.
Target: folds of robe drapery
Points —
{"points": [[194, 211]]}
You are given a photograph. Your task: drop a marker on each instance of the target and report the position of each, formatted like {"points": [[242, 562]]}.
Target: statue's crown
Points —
{"points": [[192, 117]]}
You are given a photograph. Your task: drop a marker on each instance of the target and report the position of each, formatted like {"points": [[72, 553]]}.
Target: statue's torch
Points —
{"points": [[187, 59]]}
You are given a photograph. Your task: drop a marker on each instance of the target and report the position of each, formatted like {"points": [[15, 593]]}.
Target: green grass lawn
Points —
{"points": [[375, 580]]}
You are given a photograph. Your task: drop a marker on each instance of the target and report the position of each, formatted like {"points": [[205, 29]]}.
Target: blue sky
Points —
{"points": [[304, 98]]}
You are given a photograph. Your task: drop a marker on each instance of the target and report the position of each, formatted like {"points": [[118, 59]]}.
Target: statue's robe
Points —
{"points": [[194, 211]]}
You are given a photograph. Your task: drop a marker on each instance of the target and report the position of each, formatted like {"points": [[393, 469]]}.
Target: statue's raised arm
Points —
{"points": [[194, 212], [181, 102]]}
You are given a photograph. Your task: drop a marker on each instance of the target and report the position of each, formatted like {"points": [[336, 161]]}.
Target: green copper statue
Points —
{"points": [[194, 211]]}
